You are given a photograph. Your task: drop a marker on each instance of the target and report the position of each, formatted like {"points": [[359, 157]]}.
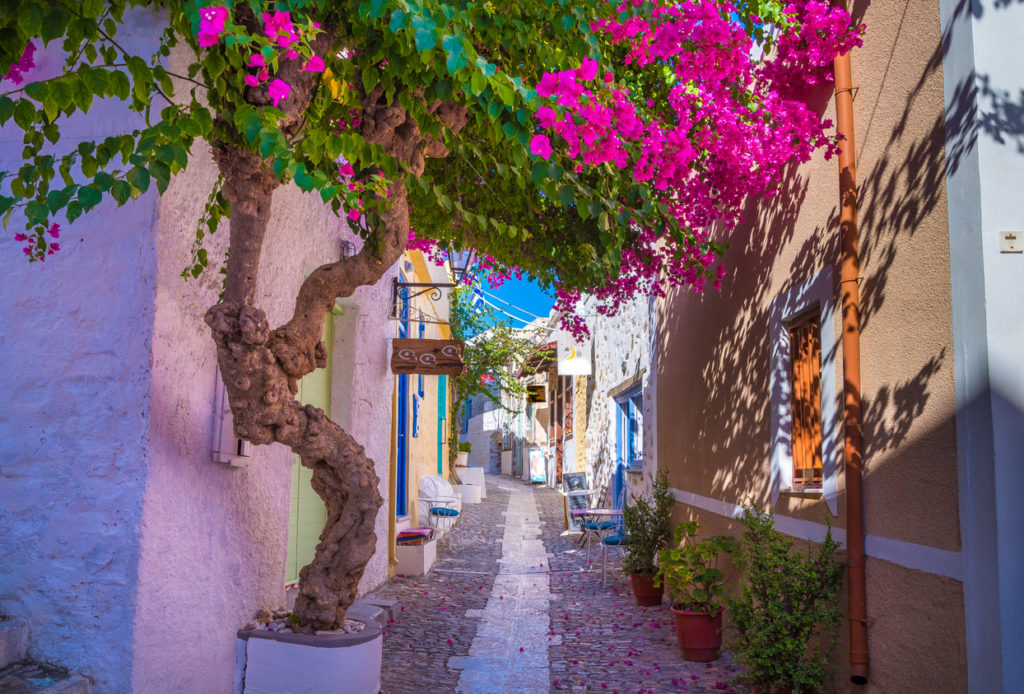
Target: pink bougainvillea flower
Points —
{"points": [[314, 64], [263, 75], [346, 170], [546, 116], [54, 230], [279, 28], [548, 85], [541, 146], [354, 215], [211, 24], [251, 80], [256, 60], [588, 70], [24, 64], [279, 91]]}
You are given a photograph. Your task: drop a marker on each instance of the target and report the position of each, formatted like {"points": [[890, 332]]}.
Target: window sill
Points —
{"points": [[804, 493], [635, 471]]}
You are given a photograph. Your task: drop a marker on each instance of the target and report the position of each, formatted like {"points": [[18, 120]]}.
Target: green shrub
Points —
{"points": [[648, 525], [691, 573], [465, 447], [785, 618]]}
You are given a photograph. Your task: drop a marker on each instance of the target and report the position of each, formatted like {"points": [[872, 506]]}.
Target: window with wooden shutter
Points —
{"points": [[805, 376]]}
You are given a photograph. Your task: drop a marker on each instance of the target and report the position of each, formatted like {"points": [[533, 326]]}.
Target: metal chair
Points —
{"points": [[441, 506]]}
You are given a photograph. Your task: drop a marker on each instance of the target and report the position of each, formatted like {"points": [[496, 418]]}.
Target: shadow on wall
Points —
{"points": [[898, 193]]}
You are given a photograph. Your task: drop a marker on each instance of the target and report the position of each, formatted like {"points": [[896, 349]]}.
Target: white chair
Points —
{"points": [[440, 505]]}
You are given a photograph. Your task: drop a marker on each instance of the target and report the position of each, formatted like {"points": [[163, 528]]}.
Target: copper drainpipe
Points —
{"points": [[849, 277]]}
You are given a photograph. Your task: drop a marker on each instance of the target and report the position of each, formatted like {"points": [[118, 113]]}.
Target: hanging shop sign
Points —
{"points": [[573, 355], [428, 357]]}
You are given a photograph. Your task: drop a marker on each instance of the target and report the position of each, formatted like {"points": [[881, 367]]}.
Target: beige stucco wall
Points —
{"points": [[713, 419]]}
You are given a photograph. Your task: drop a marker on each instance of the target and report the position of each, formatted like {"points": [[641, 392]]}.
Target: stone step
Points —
{"points": [[13, 641], [27, 677]]}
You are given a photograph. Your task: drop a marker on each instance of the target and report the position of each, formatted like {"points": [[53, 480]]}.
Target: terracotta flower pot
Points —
{"points": [[699, 634], [644, 590]]}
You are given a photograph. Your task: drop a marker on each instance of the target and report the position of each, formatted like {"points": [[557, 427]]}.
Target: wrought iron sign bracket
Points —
{"points": [[397, 293]]}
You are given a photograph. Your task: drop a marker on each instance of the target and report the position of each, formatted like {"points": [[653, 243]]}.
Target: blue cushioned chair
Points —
{"points": [[440, 504], [617, 541]]}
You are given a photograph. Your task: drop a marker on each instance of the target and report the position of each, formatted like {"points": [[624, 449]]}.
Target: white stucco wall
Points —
{"points": [[75, 341], [484, 426], [133, 556], [214, 537], [983, 84], [622, 350]]}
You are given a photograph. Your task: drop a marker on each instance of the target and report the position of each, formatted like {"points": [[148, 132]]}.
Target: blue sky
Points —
{"points": [[522, 294]]}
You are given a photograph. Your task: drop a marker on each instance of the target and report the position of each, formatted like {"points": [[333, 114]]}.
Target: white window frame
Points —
{"points": [[814, 291]]}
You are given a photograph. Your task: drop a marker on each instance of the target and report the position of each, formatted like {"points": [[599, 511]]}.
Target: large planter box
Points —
{"points": [[474, 476], [270, 663], [470, 493], [416, 560]]}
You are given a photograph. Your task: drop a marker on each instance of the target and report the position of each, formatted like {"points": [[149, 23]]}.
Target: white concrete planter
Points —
{"points": [[415, 560], [470, 493], [270, 663], [462, 458], [474, 476], [506, 462]]}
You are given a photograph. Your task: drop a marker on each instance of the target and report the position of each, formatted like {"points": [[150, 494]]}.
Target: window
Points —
{"points": [[630, 430], [805, 414], [805, 387]]}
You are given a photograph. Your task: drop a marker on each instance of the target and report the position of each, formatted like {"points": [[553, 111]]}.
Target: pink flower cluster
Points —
{"points": [[24, 64], [727, 129], [36, 246], [282, 34]]}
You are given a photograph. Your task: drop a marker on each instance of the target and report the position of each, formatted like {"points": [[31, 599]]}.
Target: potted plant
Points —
{"points": [[785, 618], [648, 525], [462, 457], [696, 585]]}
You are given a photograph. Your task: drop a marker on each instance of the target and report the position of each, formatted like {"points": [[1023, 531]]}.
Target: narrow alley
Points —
{"points": [[512, 608]]}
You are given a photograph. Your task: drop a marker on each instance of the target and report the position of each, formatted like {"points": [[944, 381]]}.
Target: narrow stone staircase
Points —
{"points": [[18, 675]]}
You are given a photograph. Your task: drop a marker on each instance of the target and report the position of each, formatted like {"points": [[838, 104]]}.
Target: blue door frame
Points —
{"points": [[402, 449]]}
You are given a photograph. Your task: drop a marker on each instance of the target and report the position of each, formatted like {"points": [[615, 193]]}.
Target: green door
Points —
{"points": [[308, 514]]}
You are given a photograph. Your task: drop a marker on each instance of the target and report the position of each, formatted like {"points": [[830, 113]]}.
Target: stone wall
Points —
{"points": [[622, 354]]}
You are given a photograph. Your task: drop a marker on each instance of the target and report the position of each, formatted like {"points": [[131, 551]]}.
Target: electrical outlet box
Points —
{"points": [[1011, 242]]}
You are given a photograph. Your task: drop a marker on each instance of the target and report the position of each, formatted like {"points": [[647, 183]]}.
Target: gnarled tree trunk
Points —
{"points": [[261, 367]]}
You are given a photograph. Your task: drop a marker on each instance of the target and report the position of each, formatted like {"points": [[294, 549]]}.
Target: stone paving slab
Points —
{"points": [[524, 583]]}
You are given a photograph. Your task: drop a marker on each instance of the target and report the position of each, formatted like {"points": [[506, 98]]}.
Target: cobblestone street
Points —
{"points": [[513, 608]]}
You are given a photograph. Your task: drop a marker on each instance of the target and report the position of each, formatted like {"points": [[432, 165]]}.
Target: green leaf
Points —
{"points": [[452, 45], [566, 194], [138, 178], [120, 191], [397, 21], [92, 8], [6, 109]]}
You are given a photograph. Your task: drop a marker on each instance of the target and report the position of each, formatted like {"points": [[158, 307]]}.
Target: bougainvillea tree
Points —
{"points": [[590, 144]]}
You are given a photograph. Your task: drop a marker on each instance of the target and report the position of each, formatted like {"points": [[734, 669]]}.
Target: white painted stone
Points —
{"points": [[470, 493], [474, 476], [276, 667], [415, 560]]}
